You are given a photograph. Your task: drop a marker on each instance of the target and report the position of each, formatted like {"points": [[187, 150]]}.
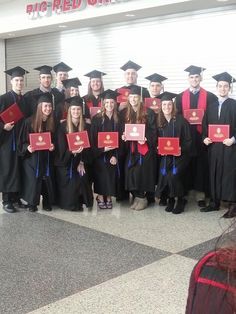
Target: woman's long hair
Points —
{"points": [[37, 121], [161, 120], [136, 117], [103, 111], [90, 92], [70, 127]]}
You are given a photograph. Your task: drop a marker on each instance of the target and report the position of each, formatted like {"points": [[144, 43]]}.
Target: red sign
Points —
{"points": [[135, 132], [94, 111], [168, 146], [77, 139], [124, 94], [11, 114], [218, 132], [194, 116], [40, 141], [108, 139], [152, 103]]}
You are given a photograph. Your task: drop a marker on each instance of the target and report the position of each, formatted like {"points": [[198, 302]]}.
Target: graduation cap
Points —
{"points": [[16, 72], [95, 74], [61, 67], [224, 76], [109, 94], [136, 90], [193, 70], [167, 96], [130, 65], [157, 78], [73, 82], [75, 101], [43, 97], [44, 69]]}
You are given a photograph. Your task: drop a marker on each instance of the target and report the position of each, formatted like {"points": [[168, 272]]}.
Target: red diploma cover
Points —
{"points": [[218, 132], [94, 111], [12, 113], [168, 146], [108, 139], [124, 94], [40, 141], [135, 132], [77, 139], [152, 103], [194, 116]]}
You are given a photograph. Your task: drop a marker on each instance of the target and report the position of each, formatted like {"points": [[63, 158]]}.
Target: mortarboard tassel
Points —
{"points": [[37, 166]]}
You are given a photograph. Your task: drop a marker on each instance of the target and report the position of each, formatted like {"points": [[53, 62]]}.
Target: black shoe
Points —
{"points": [[163, 201], [33, 209], [201, 203], [47, 208], [170, 205], [9, 208], [209, 208], [151, 200], [179, 208], [231, 213]]}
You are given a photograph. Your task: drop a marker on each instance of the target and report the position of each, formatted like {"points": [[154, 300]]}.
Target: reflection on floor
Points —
{"points": [[102, 261]]}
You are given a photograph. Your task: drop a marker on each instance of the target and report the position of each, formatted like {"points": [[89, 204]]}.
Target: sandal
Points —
{"points": [[109, 204], [101, 204]]}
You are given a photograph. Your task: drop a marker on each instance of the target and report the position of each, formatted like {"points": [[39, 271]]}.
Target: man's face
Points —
{"points": [[194, 80], [223, 88], [17, 83], [61, 76], [131, 76], [45, 80], [155, 88]]}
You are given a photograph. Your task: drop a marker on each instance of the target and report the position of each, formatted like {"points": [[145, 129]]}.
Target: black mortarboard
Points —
{"points": [[16, 72], [192, 69], [75, 101], [224, 76], [167, 96], [73, 82], [43, 97], [109, 94], [130, 65], [61, 67], [44, 69], [157, 78], [136, 90], [95, 74]]}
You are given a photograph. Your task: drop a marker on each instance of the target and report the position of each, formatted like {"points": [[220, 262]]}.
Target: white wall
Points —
{"points": [[2, 67]]}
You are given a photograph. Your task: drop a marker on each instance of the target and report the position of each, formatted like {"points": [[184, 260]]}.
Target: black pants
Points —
{"points": [[10, 197], [138, 194]]}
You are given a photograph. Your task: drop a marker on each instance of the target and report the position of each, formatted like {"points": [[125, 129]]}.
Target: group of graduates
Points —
{"points": [[69, 179]]}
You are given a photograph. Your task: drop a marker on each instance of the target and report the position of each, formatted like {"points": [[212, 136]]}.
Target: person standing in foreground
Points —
{"points": [[196, 97], [9, 132], [222, 155]]}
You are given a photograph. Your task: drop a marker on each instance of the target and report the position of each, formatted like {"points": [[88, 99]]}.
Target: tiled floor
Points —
{"points": [[102, 261]]}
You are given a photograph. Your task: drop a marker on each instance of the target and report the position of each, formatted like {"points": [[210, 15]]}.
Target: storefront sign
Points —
{"points": [[48, 8]]}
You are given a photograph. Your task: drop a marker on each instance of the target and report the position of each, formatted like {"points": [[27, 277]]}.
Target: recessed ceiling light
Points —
{"points": [[129, 15], [62, 26], [11, 35], [222, 0]]}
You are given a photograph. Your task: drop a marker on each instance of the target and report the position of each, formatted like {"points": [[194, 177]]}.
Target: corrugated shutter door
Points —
{"points": [[166, 45]]}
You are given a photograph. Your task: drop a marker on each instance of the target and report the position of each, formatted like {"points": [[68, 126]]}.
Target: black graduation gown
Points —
{"points": [[36, 167], [9, 160], [169, 182], [222, 159], [72, 189], [58, 102], [106, 175], [198, 178], [90, 101], [140, 169]]}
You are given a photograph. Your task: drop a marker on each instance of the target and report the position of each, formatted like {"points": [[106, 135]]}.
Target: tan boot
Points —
{"points": [[134, 204], [142, 204]]}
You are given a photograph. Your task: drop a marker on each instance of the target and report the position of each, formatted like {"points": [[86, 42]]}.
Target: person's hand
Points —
{"points": [[122, 106], [123, 137], [30, 149], [113, 160], [142, 142], [179, 153], [207, 141], [81, 169], [52, 147], [78, 151], [107, 148], [228, 141], [9, 126]]}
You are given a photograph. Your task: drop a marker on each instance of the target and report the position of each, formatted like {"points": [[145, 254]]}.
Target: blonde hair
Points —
{"points": [[69, 123], [141, 115], [115, 111], [37, 120]]}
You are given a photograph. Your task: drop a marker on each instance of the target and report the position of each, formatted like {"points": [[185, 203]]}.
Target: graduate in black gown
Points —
{"points": [[73, 186], [37, 166], [196, 97], [139, 161], [95, 89], [9, 132], [106, 160], [173, 168], [222, 155]]}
